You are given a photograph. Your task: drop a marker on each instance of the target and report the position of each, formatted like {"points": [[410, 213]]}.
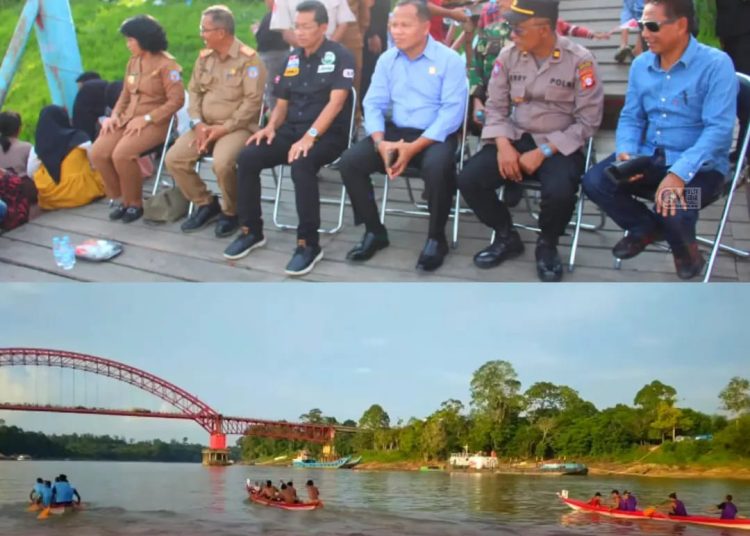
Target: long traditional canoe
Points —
{"points": [[706, 521], [315, 464], [254, 497]]}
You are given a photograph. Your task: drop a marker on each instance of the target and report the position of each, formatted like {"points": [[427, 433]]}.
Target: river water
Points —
{"points": [[188, 499]]}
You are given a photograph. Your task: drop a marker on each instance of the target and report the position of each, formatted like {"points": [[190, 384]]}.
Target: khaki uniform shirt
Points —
{"points": [[354, 37], [561, 102], [152, 85], [228, 91]]}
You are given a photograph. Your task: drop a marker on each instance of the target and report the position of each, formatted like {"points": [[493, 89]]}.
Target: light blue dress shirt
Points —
{"points": [[428, 93], [689, 111]]}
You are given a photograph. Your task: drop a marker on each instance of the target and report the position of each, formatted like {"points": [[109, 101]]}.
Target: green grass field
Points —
{"points": [[103, 47]]}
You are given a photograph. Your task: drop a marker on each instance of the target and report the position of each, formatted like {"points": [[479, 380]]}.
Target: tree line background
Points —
{"points": [[546, 421]]}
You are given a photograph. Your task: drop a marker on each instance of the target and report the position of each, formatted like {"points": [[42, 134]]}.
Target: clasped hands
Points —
{"points": [[514, 165], [396, 156]]}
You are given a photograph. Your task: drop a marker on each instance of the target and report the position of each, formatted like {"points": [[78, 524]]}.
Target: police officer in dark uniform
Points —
{"points": [[545, 100], [312, 117]]}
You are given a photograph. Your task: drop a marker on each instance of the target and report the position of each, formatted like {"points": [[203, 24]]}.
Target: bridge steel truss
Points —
{"points": [[190, 407]]}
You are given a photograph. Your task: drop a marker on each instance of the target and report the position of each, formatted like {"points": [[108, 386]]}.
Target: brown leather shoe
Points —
{"points": [[688, 261], [632, 245]]}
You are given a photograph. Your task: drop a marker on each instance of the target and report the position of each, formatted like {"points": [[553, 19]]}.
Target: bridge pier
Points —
{"points": [[214, 457], [217, 452]]}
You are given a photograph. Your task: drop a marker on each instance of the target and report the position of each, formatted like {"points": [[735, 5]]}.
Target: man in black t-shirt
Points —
{"points": [[307, 129]]}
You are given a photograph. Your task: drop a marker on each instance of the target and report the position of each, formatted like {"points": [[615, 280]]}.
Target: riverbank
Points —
{"points": [[652, 470]]}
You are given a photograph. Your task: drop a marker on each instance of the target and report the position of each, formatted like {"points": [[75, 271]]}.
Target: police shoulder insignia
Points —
{"points": [[556, 54], [174, 75], [167, 54], [252, 72], [586, 74], [496, 68]]}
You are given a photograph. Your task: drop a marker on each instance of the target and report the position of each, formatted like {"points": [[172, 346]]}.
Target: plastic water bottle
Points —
{"points": [[67, 254], [57, 250]]}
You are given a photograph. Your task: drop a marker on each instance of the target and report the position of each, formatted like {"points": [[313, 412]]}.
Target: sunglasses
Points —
{"points": [[652, 25]]}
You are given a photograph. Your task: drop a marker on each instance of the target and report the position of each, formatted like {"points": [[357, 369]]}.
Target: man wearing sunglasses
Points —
{"points": [[679, 111], [545, 100]]}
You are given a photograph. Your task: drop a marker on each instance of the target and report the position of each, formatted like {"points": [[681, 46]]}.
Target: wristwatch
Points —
{"points": [[148, 118], [546, 151], [313, 132], [194, 123]]}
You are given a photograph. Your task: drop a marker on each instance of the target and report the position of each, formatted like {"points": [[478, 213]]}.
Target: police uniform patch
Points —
{"points": [[326, 69], [174, 75], [496, 68], [586, 75], [348, 73], [329, 58], [252, 72], [291, 71]]}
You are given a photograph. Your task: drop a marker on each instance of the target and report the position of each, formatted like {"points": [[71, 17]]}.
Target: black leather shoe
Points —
{"points": [[432, 255], [632, 245], [118, 212], [688, 261], [549, 267], [201, 217], [131, 214], [304, 259], [501, 249], [243, 244], [371, 243], [226, 226]]}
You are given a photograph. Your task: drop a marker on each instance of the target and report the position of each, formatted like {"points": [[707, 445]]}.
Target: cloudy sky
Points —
{"points": [[276, 351]]}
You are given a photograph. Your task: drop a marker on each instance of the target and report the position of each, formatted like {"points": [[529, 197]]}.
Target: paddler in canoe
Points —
{"points": [[728, 509], [312, 491]]}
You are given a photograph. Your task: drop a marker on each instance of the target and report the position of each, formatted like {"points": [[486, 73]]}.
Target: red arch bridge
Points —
{"points": [[188, 406]]}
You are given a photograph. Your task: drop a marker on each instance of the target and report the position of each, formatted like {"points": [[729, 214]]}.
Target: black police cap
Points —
{"points": [[522, 10]]}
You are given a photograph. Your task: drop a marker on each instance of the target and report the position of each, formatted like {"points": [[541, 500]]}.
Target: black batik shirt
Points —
{"points": [[307, 82]]}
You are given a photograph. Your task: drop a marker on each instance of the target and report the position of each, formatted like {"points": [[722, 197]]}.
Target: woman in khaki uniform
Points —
{"points": [[152, 93]]}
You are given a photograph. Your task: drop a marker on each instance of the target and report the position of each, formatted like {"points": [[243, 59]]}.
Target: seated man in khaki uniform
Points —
{"points": [[225, 95], [545, 100]]}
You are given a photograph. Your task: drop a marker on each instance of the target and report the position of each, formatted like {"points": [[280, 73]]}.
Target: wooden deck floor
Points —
{"points": [[163, 253]]}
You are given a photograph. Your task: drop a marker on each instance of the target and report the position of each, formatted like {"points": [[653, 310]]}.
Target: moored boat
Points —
{"points": [[254, 497], [304, 461], [651, 514], [570, 469]]}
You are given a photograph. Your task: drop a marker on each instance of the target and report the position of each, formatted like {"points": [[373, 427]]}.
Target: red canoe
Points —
{"points": [[284, 506], [706, 521]]}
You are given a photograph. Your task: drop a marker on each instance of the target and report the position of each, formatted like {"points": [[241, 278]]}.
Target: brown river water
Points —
{"points": [[188, 499]]}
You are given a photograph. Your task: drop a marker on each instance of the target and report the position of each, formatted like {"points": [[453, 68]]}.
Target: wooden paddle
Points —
{"points": [[34, 507], [44, 514]]}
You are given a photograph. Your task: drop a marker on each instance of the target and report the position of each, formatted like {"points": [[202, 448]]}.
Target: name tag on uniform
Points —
{"points": [[326, 68]]}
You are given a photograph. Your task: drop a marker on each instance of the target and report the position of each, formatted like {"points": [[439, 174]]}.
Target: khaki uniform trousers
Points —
{"points": [[116, 155], [181, 160]]}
